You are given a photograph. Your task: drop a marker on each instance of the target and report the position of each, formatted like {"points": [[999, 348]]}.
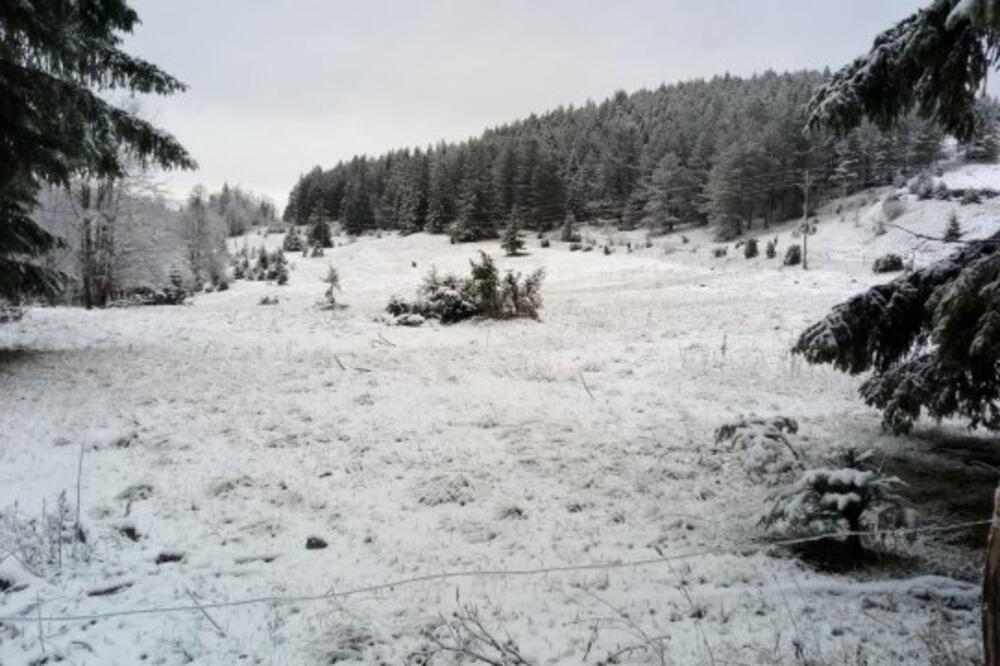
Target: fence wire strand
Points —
{"points": [[478, 573]]}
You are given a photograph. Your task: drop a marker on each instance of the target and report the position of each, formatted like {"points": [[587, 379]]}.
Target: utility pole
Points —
{"points": [[806, 183]]}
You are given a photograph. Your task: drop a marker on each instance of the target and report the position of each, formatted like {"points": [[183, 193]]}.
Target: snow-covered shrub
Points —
{"points": [[575, 246], [971, 197], [793, 255], [397, 306], [922, 186], [888, 263], [893, 207], [450, 298], [750, 250], [409, 319], [771, 249], [545, 243], [268, 300], [953, 232], [10, 312], [846, 494], [293, 242], [719, 252], [332, 280], [763, 444], [941, 192]]}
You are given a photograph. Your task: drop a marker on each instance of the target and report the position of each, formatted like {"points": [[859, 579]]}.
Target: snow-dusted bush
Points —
{"points": [[922, 186], [793, 255], [953, 232], [750, 250], [10, 312], [719, 252], [888, 263], [409, 319], [763, 444], [845, 494], [293, 241], [450, 298], [971, 197], [771, 249], [260, 265]]}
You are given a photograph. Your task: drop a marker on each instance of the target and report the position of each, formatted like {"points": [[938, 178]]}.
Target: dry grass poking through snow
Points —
{"points": [[584, 437]]}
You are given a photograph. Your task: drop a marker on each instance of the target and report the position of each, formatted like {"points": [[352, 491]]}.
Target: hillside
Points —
{"points": [[226, 433], [730, 151]]}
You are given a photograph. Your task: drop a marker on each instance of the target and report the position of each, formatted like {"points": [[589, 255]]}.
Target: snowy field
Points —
{"points": [[212, 440]]}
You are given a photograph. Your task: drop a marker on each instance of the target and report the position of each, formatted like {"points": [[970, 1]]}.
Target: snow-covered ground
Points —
{"points": [[225, 434]]}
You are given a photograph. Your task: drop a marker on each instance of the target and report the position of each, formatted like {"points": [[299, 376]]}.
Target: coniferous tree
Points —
{"points": [[318, 235], [511, 241], [56, 56], [953, 232], [930, 339]]}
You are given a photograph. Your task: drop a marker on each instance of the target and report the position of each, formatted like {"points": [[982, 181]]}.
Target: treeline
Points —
{"points": [[727, 151], [120, 239]]}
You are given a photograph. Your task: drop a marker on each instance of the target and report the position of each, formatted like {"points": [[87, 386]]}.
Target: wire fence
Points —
{"points": [[389, 586]]}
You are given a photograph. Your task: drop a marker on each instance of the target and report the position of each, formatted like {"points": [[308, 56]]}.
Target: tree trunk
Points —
{"points": [[991, 591]]}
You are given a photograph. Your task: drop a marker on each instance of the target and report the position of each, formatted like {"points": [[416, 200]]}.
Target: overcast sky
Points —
{"points": [[277, 87]]}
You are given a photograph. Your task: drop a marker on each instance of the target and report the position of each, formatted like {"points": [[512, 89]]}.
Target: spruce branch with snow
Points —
{"points": [[827, 499], [930, 339]]}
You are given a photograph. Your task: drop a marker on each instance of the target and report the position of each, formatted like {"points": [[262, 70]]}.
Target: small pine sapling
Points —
{"points": [[332, 280], [771, 250], [793, 256], [953, 232], [888, 263], [750, 250], [847, 494], [511, 242]]}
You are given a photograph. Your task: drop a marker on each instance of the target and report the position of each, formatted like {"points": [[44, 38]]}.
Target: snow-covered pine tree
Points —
{"points": [[318, 234], [847, 493], [568, 233], [953, 232], [511, 241], [930, 338], [293, 241], [61, 61]]}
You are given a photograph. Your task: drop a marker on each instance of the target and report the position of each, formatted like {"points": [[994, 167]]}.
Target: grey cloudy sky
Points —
{"points": [[277, 87]]}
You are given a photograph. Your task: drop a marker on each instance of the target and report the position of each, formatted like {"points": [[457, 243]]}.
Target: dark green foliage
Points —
{"points": [[485, 293], [750, 250], [953, 232], [727, 150], [568, 234], [793, 255], [888, 263], [293, 241], [931, 339], [511, 241], [318, 234], [984, 144], [56, 56], [260, 265], [928, 62], [848, 493], [971, 197]]}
